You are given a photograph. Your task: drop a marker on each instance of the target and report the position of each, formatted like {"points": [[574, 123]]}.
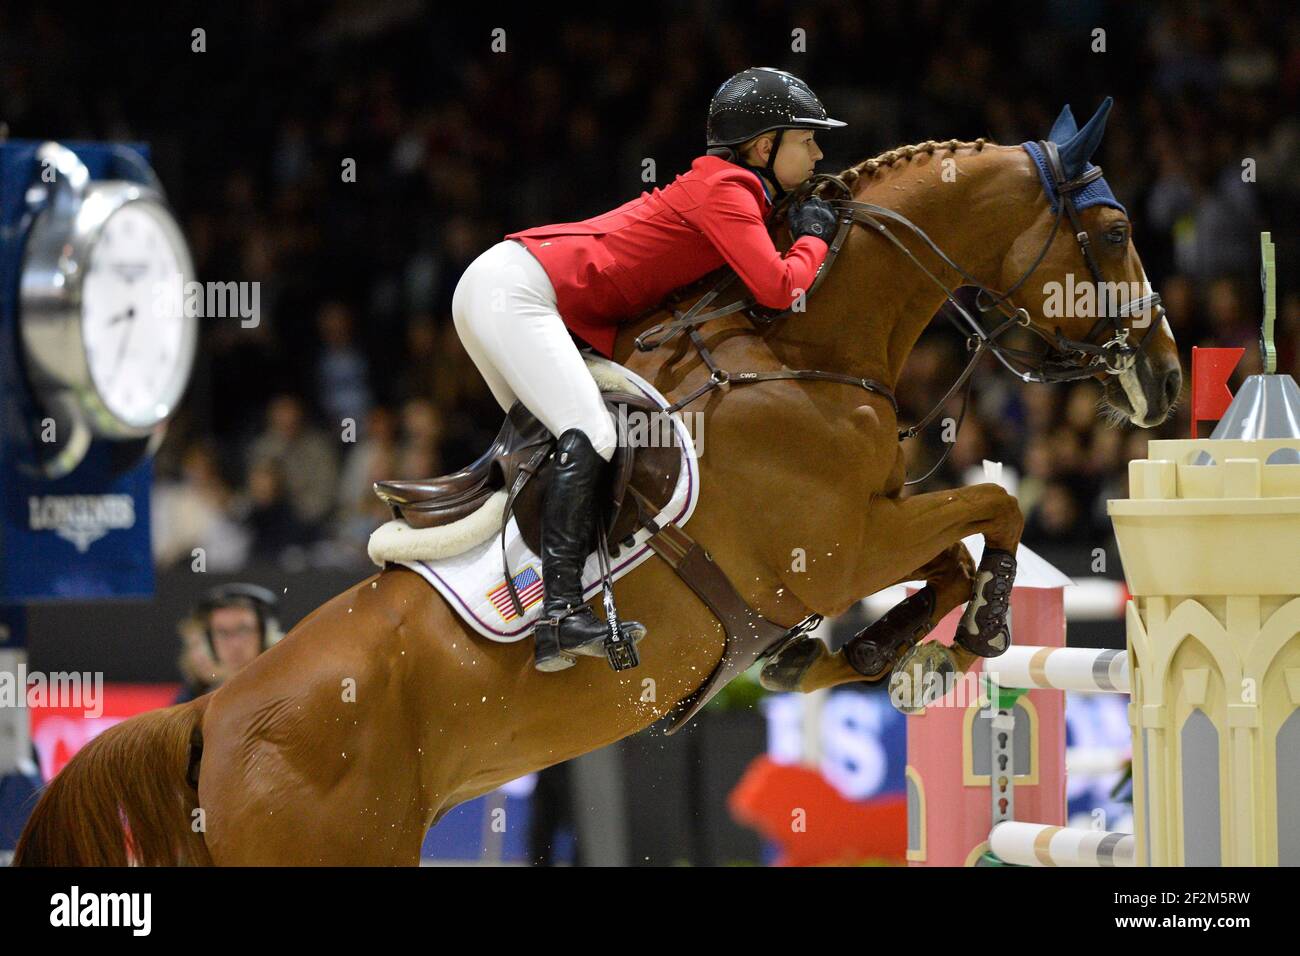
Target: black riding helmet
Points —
{"points": [[759, 100]]}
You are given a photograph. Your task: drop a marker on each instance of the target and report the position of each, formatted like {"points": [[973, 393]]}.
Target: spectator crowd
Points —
{"points": [[354, 371]]}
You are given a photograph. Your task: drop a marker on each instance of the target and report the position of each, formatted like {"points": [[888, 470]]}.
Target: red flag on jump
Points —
{"points": [[1211, 369]]}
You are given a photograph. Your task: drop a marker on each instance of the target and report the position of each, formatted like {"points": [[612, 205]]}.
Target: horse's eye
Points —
{"points": [[1118, 235]]}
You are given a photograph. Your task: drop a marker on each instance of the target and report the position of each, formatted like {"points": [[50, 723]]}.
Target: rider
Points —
{"points": [[517, 304]]}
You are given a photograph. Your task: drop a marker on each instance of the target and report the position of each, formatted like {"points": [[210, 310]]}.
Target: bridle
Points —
{"points": [[1066, 359], [1075, 359]]}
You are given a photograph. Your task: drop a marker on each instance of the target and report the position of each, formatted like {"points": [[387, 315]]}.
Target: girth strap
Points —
{"points": [[749, 635]]}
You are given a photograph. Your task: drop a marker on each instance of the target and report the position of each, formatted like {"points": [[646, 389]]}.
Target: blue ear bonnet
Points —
{"points": [[1074, 148], [1096, 193]]}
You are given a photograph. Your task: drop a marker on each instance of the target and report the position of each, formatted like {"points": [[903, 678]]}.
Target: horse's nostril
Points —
{"points": [[1173, 385]]}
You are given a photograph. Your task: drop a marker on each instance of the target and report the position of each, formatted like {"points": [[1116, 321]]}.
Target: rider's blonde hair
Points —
{"points": [[744, 148]]}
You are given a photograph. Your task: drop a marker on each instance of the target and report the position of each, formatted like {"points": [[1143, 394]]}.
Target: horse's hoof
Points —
{"points": [[876, 649], [985, 628], [787, 667], [922, 677]]}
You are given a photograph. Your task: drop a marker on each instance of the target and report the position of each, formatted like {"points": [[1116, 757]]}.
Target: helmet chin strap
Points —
{"points": [[770, 168], [730, 154]]}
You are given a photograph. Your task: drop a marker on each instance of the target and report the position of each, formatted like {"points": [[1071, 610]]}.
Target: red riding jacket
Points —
{"points": [[612, 267]]}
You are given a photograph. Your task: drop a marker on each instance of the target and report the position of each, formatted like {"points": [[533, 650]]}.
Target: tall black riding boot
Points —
{"points": [[568, 625]]}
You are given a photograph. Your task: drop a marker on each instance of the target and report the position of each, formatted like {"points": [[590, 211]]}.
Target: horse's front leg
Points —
{"points": [[919, 538]]}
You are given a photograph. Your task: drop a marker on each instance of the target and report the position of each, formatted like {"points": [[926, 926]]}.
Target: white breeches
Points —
{"points": [[505, 314]]}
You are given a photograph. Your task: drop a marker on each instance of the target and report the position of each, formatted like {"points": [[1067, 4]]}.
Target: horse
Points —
{"points": [[380, 711]]}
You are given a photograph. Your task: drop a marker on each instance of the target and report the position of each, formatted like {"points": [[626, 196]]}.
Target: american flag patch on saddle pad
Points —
{"points": [[528, 584]]}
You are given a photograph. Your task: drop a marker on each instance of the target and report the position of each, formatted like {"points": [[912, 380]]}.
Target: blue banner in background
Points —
{"points": [[860, 739], [494, 828], [86, 534], [82, 536]]}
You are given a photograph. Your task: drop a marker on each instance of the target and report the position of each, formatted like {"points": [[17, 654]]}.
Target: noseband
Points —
{"points": [[1083, 358]]}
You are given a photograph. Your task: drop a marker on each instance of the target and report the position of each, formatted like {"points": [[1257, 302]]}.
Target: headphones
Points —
{"points": [[263, 602]]}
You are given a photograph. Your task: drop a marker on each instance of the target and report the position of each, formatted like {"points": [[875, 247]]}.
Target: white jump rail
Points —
{"points": [[1037, 844], [1087, 669]]}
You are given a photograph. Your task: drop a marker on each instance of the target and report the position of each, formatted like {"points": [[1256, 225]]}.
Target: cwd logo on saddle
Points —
{"points": [[80, 519]]}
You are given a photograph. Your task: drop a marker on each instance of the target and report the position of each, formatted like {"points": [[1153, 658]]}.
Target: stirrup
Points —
{"points": [[620, 645], [551, 655]]}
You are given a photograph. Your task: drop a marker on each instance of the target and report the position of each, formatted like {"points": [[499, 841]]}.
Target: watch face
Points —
{"points": [[139, 342]]}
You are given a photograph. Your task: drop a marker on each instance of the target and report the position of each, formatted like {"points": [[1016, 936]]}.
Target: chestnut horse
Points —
{"points": [[381, 710]]}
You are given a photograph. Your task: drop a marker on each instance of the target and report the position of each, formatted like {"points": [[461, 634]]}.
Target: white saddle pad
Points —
{"points": [[473, 581]]}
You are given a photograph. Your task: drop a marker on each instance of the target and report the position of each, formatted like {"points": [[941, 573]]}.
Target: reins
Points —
{"points": [[1114, 356]]}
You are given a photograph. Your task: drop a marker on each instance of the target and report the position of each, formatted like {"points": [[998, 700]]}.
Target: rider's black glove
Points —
{"points": [[813, 217]]}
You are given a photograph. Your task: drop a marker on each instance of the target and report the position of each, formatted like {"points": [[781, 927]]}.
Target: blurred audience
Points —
{"points": [[354, 372]]}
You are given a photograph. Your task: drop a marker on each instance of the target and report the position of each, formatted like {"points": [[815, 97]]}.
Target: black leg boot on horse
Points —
{"points": [[568, 626], [924, 672]]}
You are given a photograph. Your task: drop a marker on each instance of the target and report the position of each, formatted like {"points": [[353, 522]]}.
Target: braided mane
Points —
{"points": [[892, 158]]}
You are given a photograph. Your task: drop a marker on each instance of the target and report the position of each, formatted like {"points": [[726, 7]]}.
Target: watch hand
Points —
{"points": [[126, 337]]}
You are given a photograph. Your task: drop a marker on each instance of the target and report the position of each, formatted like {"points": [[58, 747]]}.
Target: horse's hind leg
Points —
{"points": [[933, 526]]}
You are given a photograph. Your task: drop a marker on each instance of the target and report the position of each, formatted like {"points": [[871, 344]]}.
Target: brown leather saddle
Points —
{"points": [[524, 446]]}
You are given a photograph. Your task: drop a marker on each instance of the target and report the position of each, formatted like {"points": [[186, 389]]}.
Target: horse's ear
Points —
{"points": [[1064, 127], [1078, 149]]}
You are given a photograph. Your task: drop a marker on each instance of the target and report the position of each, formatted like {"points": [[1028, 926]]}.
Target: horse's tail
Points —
{"points": [[124, 798]]}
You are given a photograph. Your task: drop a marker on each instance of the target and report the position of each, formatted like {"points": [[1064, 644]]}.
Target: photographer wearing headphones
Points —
{"points": [[224, 632]]}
